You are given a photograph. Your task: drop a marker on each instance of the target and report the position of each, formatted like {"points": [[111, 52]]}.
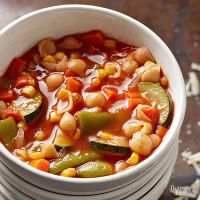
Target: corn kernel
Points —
{"points": [[148, 63], [70, 172], [21, 125], [95, 82], [36, 155], [40, 135], [77, 135], [36, 59], [54, 117], [62, 94], [49, 59], [105, 135], [75, 55], [28, 91], [102, 73], [134, 159], [96, 66], [59, 56], [164, 82], [110, 44]]}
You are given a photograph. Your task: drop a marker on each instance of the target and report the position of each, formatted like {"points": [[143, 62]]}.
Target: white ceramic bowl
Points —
{"points": [[58, 21], [10, 181]]}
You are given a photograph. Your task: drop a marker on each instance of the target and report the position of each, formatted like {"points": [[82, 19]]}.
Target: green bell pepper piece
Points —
{"points": [[8, 130], [93, 121], [73, 160], [94, 169]]}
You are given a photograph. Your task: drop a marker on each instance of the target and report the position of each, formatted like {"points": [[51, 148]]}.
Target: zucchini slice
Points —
{"points": [[62, 140], [30, 110], [8, 130], [108, 147], [93, 121], [156, 94]]}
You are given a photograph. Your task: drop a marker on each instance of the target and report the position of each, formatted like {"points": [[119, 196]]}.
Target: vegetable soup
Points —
{"points": [[85, 105]]}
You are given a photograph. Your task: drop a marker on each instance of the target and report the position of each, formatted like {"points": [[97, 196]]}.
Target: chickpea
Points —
{"points": [[70, 43], [94, 99], [156, 140], [129, 67], [77, 65], [110, 67], [68, 123], [53, 81], [142, 55], [141, 144]]}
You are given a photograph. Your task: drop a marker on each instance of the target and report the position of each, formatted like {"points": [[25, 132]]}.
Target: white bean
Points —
{"points": [[77, 65], [53, 81], [68, 123], [151, 75], [94, 99]]}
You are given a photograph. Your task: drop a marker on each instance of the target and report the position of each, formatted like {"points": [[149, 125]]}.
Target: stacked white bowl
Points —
{"points": [[148, 179]]}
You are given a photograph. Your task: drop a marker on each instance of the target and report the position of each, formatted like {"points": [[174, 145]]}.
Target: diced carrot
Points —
{"points": [[133, 94], [153, 114], [21, 81], [16, 66], [95, 38], [40, 164], [161, 131], [111, 93], [134, 102], [74, 85], [10, 112], [7, 95]]}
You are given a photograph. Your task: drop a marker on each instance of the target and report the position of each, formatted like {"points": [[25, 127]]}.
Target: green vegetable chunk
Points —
{"points": [[30, 110], [8, 130], [93, 121], [156, 94], [94, 169], [73, 160], [108, 147]]}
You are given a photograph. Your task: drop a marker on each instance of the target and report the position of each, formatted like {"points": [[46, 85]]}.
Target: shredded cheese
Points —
{"points": [[193, 85], [195, 66]]}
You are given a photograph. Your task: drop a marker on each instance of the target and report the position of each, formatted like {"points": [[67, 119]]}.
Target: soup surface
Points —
{"points": [[84, 106]]}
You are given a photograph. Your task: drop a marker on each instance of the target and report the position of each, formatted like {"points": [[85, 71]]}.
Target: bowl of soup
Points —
{"points": [[90, 99]]}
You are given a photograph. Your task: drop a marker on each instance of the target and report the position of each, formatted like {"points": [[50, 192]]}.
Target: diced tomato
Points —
{"points": [[74, 85], [69, 73], [153, 114], [21, 81], [95, 38], [7, 95], [16, 66], [40, 164], [111, 93], [161, 131], [12, 113], [134, 102]]}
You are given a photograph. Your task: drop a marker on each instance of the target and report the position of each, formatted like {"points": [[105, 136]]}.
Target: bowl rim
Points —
{"points": [[175, 126]]}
